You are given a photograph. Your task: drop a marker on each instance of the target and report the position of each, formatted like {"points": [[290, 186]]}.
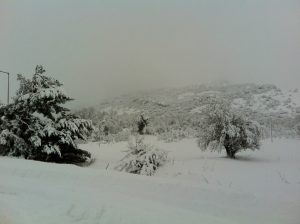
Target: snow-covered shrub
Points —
{"points": [[173, 136], [297, 123], [224, 128], [142, 158], [122, 135], [297, 130], [36, 126], [149, 130], [177, 135]]}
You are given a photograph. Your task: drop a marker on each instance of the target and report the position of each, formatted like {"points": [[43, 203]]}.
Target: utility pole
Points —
{"points": [[7, 73]]}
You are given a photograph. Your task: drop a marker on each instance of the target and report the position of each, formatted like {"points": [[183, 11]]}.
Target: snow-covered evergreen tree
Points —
{"points": [[142, 158], [224, 128], [37, 126]]}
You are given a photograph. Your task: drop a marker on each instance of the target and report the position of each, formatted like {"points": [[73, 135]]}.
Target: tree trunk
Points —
{"points": [[230, 153]]}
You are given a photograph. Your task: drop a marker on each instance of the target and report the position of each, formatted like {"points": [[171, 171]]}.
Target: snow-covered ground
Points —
{"points": [[193, 187]]}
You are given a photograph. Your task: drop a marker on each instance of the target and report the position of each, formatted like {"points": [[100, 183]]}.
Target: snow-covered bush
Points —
{"points": [[177, 135], [142, 158], [224, 128], [36, 126], [171, 136], [297, 123], [297, 129], [122, 135]]}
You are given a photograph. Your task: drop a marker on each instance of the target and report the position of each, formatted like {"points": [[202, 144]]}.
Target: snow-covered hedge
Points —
{"points": [[142, 158]]}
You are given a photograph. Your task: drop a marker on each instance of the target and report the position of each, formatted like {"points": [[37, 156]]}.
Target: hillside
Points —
{"points": [[267, 99], [177, 109]]}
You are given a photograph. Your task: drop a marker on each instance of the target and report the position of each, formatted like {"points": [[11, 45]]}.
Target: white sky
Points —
{"points": [[104, 48]]}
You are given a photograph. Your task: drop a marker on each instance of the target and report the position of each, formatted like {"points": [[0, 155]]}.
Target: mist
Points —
{"points": [[99, 49]]}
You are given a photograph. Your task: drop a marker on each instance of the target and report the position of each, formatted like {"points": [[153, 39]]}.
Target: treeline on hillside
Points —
{"points": [[113, 126], [175, 112]]}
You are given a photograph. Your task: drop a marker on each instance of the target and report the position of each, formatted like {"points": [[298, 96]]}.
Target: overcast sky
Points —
{"points": [[102, 48]]}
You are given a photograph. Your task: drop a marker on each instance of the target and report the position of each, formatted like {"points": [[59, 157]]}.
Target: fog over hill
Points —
{"points": [[104, 48]]}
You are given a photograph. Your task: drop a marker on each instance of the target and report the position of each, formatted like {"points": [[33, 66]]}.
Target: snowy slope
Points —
{"points": [[273, 101], [178, 109], [194, 187], [260, 98]]}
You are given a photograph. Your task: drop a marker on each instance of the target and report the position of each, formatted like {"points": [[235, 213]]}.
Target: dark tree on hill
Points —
{"points": [[297, 124], [142, 123], [37, 126], [223, 128]]}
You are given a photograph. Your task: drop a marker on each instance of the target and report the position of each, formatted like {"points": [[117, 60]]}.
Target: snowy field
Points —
{"points": [[193, 187]]}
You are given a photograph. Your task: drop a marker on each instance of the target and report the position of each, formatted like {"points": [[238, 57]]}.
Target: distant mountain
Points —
{"points": [[176, 112], [267, 100]]}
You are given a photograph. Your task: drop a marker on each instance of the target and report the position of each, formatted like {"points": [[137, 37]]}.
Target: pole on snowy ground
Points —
{"points": [[7, 73]]}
